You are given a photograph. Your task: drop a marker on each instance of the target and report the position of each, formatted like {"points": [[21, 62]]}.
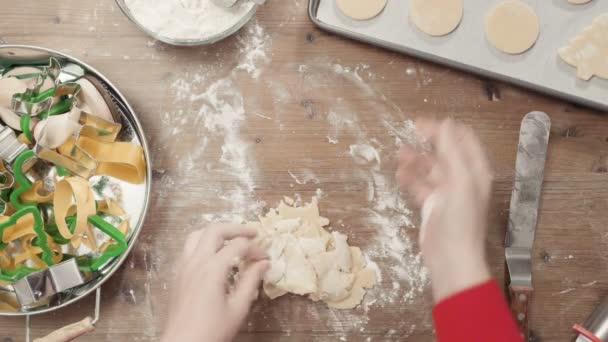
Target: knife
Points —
{"points": [[523, 213]]}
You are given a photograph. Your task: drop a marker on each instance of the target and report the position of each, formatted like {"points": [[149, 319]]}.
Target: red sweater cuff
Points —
{"points": [[479, 313]]}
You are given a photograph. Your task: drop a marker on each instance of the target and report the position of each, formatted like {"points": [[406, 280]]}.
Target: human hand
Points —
{"points": [[452, 183], [204, 306]]}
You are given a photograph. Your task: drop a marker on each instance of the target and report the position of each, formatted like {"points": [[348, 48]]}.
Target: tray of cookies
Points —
{"points": [[558, 47]]}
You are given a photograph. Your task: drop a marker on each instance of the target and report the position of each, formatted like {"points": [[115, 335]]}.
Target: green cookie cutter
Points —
{"points": [[41, 241], [113, 250], [21, 179]]}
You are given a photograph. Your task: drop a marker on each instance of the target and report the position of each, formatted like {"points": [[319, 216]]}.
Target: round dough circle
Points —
{"points": [[512, 26], [579, 2], [361, 9], [436, 17]]}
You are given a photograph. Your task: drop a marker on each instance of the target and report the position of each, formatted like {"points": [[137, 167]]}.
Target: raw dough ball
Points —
{"points": [[361, 9], [436, 17], [307, 260], [512, 26], [588, 51], [579, 2]]}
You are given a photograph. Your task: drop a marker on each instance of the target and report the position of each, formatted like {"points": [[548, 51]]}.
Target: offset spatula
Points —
{"points": [[523, 212]]}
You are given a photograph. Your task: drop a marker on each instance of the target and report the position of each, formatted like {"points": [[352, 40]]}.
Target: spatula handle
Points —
{"points": [[519, 297]]}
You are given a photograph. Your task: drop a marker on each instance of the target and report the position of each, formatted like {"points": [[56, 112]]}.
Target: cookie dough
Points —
{"points": [[512, 26], [436, 17], [361, 9], [588, 51], [579, 2], [307, 260]]}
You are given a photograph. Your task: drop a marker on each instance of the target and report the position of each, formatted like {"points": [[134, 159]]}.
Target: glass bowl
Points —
{"points": [[189, 42]]}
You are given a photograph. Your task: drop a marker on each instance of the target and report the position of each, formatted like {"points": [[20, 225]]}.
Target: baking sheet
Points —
{"points": [[539, 68]]}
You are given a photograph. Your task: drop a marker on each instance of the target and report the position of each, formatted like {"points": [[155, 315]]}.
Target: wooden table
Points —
{"points": [[307, 80]]}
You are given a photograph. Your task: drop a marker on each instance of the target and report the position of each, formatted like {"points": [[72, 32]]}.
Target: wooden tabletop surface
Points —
{"points": [[271, 100]]}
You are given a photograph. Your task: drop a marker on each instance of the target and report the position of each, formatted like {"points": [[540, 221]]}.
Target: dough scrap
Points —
{"points": [[309, 261], [588, 51], [512, 26], [579, 2], [361, 9], [436, 17]]}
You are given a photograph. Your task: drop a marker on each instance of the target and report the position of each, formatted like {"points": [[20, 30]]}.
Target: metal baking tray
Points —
{"points": [[135, 197], [539, 68]]}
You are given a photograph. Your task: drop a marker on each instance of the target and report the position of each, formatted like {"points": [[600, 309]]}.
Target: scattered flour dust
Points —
{"points": [[389, 213], [253, 47], [304, 176], [364, 153], [211, 107]]}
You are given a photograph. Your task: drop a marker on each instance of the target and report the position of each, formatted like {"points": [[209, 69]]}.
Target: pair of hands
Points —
{"points": [[451, 182]]}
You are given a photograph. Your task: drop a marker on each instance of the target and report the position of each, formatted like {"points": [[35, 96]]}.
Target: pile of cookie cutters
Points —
{"points": [[40, 291]]}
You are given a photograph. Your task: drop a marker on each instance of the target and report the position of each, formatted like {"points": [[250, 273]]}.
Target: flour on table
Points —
{"points": [[202, 94], [307, 260], [364, 154], [187, 19], [304, 176], [337, 124], [388, 211], [253, 48], [209, 109]]}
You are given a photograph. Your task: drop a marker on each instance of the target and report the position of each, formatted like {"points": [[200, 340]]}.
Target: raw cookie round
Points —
{"points": [[361, 9], [579, 2], [436, 17], [512, 26]]}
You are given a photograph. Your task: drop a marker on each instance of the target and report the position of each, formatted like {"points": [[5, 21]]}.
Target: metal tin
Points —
{"points": [[539, 68], [138, 195], [188, 42]]}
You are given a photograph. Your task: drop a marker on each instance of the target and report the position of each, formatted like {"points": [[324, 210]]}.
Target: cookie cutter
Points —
{"points": [[33, 102], [7, 181], [70, 72], [48, 282], [79, 161], [10, 146], [47, 255], [40, 105], [16, 153], [113, 250], [32, 286]]}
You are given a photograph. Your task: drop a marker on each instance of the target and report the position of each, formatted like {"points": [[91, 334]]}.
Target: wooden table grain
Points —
{"points": [[305, 76]]}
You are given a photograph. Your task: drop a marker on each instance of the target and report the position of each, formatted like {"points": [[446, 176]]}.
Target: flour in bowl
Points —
{"points": [[187, 19]]}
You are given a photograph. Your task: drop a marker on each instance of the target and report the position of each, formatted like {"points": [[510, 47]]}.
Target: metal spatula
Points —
{"points": [[523, 212]]}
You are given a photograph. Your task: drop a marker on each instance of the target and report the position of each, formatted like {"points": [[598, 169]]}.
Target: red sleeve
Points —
{"points": [[476, 314]]}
